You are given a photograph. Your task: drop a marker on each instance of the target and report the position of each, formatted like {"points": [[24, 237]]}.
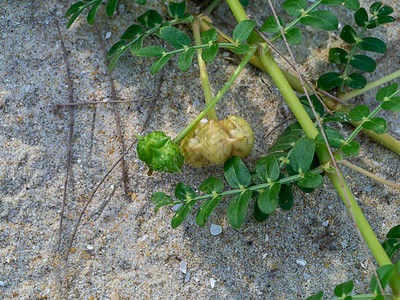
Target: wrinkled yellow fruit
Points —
{"points": [[241, 134], [214, 142]]}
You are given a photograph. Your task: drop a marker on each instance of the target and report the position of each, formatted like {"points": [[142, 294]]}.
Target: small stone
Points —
{"points": [[183, 266], [212, 282], [215, 229], [89, 247], [108, 35], [325, 223], [368, 188], [266, 238], [301, 262], [2, 284], [187, 277]]}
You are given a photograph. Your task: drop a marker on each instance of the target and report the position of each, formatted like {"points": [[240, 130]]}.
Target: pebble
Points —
{"points": [[301, 262], [176, 206], [212, 282], [183, 266], [325, 223], [215, 229], [108, 35], [89, 247], [187, 277], [2, 284]]}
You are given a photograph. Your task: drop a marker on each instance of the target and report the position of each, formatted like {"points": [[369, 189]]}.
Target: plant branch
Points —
{"points": [[354, 93], [124, 172], [71, 124], [369, 174], [212, 115], [227, 85]]}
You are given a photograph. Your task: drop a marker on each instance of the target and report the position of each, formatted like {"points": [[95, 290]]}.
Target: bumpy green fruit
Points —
{"points": [[159, 153], [214, 142]]}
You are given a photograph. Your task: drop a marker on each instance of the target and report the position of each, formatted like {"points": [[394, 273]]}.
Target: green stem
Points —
{"points": [[259, 187], [227, 85], [354, 93], [371, 115], [197, 47], [287, 92], [350, 56], [212, 115], [373, 243], [359, 127]]}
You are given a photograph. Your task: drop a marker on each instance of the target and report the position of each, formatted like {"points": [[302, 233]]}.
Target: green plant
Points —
{"points": [[304, 153]]}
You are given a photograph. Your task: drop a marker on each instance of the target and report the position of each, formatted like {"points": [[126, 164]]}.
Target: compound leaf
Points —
{"points": [[212, 185], [372, 44], [267, 168], [294, 36], [159, 63], [206, 210], [132, 32], [361, 17], [111, 7], [184, 192], [295, 7], [208, 54], [337, 56], [386, 92], [161, 199], [209, 36], [329, 80], [185, 59], [351, 148], [363, 63], [236, 173], [359, 113], [377, 125], [348, 34], [237, 209], [322, 19], [344, 289], [242, 30], [182, 213], [267, 201], [270, 25], [176, 9], [175, 37], [150, 18], [310, 180], [384, 274], [356, 81], [302, 155]]}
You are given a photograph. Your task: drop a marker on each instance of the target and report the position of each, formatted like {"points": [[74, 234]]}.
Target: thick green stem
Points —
{"points": [[212, 115], [227, 85], [373, 243], [354, 93]]}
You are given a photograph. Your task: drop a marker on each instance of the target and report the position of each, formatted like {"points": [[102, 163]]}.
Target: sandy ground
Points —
{"points": [[122, 246]]}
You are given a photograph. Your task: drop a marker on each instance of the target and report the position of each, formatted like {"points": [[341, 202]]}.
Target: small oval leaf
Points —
{"points": [[236, 173]]}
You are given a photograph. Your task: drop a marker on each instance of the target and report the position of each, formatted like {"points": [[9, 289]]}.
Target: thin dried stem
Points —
{"points": [[369, 174], [124, 171], [71, 124]]}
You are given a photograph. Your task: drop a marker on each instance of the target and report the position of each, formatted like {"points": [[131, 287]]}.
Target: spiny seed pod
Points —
{"points": [[214, 142], [159, 153], [240, 131]]}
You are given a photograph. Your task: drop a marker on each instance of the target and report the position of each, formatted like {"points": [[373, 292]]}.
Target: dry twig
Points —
{"points": [[71, 123]]}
